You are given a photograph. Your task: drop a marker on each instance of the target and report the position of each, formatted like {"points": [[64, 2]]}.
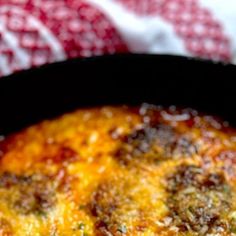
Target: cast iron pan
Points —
{"points": [[30, 96]]}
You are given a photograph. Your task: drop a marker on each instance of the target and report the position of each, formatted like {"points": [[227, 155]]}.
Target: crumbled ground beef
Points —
{"points": [[154, 144], [28, 194], [198, 201]]}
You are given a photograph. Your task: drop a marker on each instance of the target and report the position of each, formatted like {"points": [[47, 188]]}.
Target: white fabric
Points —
{"points": [[141, 33]]}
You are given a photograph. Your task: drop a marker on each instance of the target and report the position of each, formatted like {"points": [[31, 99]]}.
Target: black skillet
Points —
{"points": [[30, 96]]}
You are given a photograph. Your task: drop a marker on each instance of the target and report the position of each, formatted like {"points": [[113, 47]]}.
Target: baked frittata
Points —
{"points": [[120, 171]]}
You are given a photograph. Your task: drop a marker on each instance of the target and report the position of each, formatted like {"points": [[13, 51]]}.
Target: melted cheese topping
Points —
{"points": [[119, 171]]}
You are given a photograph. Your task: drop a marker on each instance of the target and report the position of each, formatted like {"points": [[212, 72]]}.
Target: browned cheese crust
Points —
{"points": [[115, 171]]}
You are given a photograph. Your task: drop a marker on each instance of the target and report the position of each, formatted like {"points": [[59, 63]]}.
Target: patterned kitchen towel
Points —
{"points": [[35, 32]]}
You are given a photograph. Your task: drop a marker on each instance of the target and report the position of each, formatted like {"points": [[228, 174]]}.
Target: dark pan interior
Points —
{"points": [[51, 90]]}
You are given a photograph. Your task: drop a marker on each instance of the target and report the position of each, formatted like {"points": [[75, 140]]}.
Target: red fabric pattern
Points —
{"points": [[35, 32], [201, 31], [81, 29]]}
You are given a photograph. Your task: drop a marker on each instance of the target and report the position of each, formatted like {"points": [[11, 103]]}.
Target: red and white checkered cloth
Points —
{"points": [[35, 32]]}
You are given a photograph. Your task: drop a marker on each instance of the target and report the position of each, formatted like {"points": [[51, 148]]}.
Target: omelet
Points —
{"points": [[120, 171]]}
